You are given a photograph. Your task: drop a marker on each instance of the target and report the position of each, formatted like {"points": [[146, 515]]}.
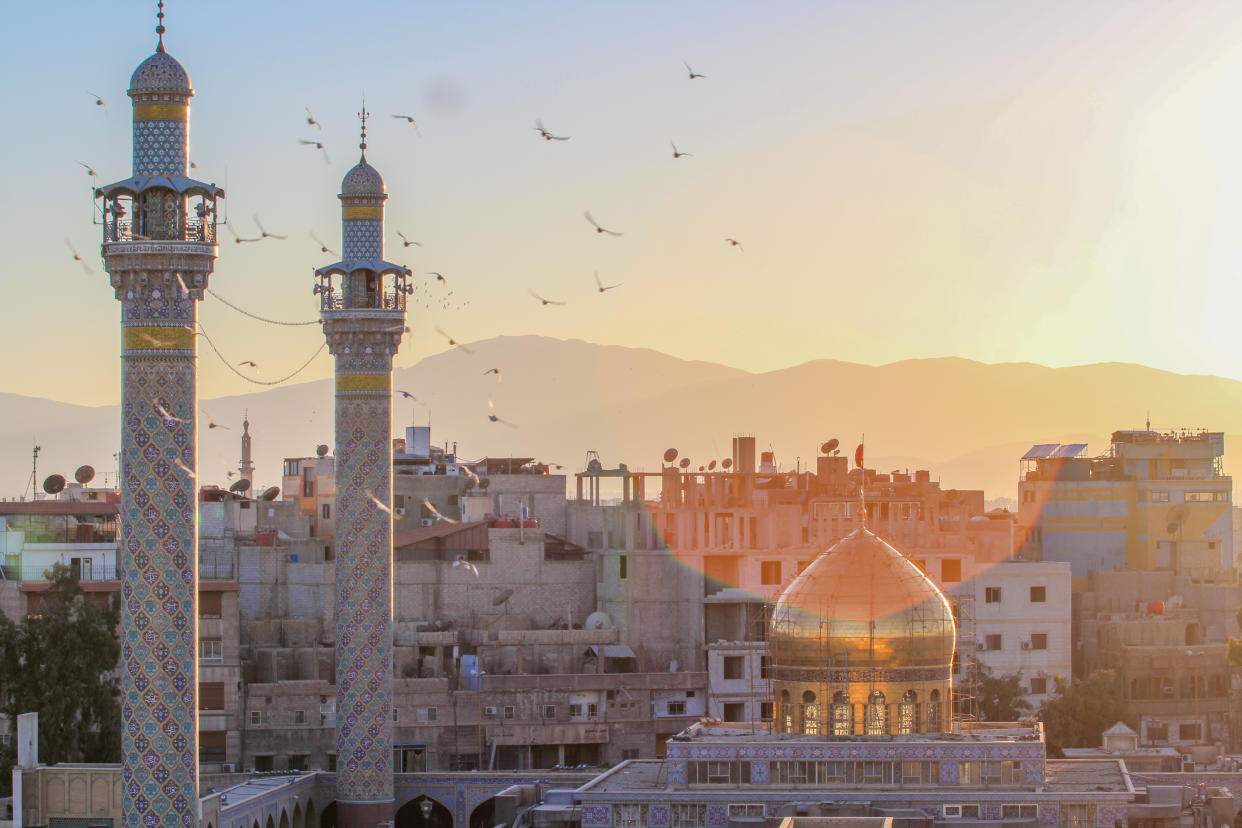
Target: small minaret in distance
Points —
{"points": [[246, 467], [362, 299], [159, 248]]}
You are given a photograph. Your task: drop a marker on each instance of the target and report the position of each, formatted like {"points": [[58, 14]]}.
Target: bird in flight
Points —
{"points": [[435, 513], [76, 257], [166, 415], [266, 235], [677, 153], [90, 170], [236, 237], [547, 136], [310, 119], [317, 145], [406, 242], [212, 423], [491, 415], [462, 563], [439, 278], [544, 301], [693, 74], [495, 371], [251, 363], [379, 504], [189, 471], [409, 396], [323, 248], [603, 288], [736, 244], [409, 119], [155, 342], [185, 291], [595, 224], [99, 102], [451, 341]]}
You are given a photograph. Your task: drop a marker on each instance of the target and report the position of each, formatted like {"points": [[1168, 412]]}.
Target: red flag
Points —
{"points": [[858, 456]]}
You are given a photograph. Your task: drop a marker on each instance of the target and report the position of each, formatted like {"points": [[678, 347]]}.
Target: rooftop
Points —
{"points": [[1085, 775], [962, 732]]}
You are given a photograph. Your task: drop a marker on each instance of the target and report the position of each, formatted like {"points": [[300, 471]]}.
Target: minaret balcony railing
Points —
{"points": [[193, 230], [364, 291], [388, 300]]}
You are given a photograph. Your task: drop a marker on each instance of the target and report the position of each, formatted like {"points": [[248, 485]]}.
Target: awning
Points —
{"points": [[613, 651]]}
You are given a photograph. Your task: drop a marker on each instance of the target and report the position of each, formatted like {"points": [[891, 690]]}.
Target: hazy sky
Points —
{"points": [[1056, 182]]}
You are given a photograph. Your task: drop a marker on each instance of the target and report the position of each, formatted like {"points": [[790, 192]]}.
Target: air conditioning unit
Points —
{"points": [[427, 522], [490, 712], [1026, 645], [399, 511], [228, 767]]}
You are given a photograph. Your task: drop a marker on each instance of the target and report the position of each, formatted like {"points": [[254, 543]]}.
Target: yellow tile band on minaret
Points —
{"points": [[142, 337], [362, 382], [161, 112], [362, 211]]}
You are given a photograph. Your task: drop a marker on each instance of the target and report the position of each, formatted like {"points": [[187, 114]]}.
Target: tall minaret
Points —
{"points": [[159, 248], [246, 467], [363, 319]]}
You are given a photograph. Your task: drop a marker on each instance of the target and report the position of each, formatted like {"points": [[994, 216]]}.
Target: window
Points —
{"points": [[549, 711], [297, 761], [575, 710], [734, 711], [1017, 812], [211, 695], [256, 717], [1039, 685], [992, 595], [1207, 497], [326, 511], [508, 711], [209, 605], [428, 714], [765, 711], [629, 753], [992, 642], [263, 762], [1039, 641], [733, 667], [396, 715], [209, 649], [676, 707], [745, 810], [1039, 594], [951, 570], [769, 572], [877, 714], [688, 814], [1188, 732], [1158, 496], [631, 816], [211, 746], [623, 565], [1157, 733], [331, 763], [299, 717]]}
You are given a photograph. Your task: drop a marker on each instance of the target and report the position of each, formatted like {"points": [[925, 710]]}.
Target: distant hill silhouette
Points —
{"points": [[968, 422]]}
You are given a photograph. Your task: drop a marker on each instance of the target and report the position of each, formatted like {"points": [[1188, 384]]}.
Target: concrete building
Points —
{"points": [[1154, 500]]}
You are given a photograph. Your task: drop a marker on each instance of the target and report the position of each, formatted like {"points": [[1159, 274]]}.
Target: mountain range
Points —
{"points": [[967, 422]]}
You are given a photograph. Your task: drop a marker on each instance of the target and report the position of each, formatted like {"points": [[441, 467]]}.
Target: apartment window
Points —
{"points": [[623, 567], [992, 595], [263, 762], [992, 642], [256, 717], [549, 711], [396, 715], [211, 746], [765, 711], [1039, 685], [509, 711], [211, 695], [769, 572], [688, 814], [325, 511], [1188, 732], [1207, 497], [1157, 733], [209, 649], [1158, 496], [1039, 594], [298, 761], [427, 714], [765, 667], [1017, 812], [1039, 641], [951, 570], [209, 605], [733, 667], [299, 717], [734, 711], [676, 707], [291, 468], [331, 763], [575, 710]]}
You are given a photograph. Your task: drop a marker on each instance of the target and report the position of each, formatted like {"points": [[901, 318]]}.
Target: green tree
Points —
{"points": [[1000, 696], [62, 664], [1078, 713]]}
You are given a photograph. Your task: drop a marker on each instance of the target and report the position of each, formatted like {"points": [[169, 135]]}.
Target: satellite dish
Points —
{"points": [[726, 463], [711, 466], [828, 447], [240, 487], [484, 483], [469, 483], [321, 450], [597, 621], [54, 484], [702, 468], [670, 455], [84, 474], [685, 463], [270, 493], [1172, 527], [501, 597]]}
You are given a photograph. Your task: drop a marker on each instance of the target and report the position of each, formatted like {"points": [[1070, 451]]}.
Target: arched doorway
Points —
{"points": [[424, 812], [328, 818], [484, 816]]}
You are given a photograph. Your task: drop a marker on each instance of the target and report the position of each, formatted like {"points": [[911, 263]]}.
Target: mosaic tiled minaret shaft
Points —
{"points": [[159, 249], [363, 304]]}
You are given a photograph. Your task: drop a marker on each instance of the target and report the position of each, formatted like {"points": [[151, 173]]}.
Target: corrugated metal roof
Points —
{"points": [[1070, 450], [439, 532], [1040, 450]]}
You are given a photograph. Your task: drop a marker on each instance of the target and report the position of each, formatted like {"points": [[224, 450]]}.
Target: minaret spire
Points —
{"points": [[159, 28], [362, 116]]}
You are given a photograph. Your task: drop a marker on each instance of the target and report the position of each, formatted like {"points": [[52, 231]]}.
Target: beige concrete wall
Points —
{"points": [[71, 792]]}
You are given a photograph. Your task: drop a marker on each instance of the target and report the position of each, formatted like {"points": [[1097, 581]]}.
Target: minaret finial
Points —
{"points": [[159, 28], [363, 115], [862, 484]]}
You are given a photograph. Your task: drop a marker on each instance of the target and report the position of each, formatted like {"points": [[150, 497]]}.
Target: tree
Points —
{"points": [[1000, 697], [1078, 713], [61, 663]]}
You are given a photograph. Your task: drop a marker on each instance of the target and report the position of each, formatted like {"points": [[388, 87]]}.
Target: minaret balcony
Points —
{"points": [[368, 285]]}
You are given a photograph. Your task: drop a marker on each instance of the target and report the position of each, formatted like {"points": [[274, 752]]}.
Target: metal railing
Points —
{"points": [[94, 572], [193, 229]]}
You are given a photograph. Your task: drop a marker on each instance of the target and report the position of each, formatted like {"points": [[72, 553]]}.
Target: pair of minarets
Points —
{"points": [[159, 248]]}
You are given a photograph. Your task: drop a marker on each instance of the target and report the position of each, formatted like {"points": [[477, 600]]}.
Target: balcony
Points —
{"points": [[192, 230], [91, 572]]}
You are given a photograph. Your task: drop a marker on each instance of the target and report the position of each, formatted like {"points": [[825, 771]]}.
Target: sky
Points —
{"points": [[1053, 182]]}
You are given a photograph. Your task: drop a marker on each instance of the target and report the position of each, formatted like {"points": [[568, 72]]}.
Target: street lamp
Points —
{"points": [[425, 807]]}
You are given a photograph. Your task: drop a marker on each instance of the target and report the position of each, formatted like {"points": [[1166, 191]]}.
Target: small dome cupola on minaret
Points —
{"points": [[367, 281], [159, 202]]}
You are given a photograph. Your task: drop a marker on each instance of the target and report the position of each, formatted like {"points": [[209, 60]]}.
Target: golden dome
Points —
{"points": [[862, 620]]}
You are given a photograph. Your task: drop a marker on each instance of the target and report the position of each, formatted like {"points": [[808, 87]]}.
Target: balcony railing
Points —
{"points": [[393, 300], [192, 229], [94, 572]]}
